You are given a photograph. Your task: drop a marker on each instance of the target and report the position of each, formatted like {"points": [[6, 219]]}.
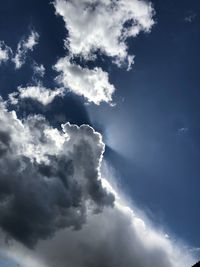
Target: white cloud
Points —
{"points": [[191, 16], [39, 93], [5, 52], [93, 84], [25, 45], [103, 25], [99, 26]]}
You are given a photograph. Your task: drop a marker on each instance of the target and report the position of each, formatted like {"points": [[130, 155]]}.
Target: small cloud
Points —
{"points": [[39, 93], [190, 17], [5, 52], [38, 70], [93, 84], [183, 130], [25, 45]]}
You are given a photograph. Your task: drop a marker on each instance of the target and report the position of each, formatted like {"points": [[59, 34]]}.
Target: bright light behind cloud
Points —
{"points": [[58, 203]]}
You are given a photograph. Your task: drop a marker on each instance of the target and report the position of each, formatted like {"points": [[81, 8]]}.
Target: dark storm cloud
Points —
{"points": [[39, 195]]}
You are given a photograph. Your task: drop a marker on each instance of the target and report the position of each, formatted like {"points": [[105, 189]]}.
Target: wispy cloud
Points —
{"points": [[24, 46], [5, 52], [190, 17]]}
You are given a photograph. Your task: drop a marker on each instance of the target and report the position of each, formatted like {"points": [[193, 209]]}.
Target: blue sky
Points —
{"points": [[150, 130]]}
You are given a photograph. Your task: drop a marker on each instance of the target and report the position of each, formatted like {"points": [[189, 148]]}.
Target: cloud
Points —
{"points": [[49, 179], [39, 93], [191, 16], [182, 130], [103, 25], [5, 52], [53, 195], [25, 45], [93, 84], [99, 27]]}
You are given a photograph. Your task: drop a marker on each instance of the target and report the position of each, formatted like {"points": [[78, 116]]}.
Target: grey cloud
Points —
{"points": [[50, 186], [110, 239], [40, 196], [4, 142]]}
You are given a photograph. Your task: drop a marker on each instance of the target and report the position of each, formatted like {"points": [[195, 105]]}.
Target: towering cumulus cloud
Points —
{"points": [[53, 198], [99, 26], [48, 179]]}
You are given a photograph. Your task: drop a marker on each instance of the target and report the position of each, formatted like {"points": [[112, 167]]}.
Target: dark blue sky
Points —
{"points": [[153, 133]]}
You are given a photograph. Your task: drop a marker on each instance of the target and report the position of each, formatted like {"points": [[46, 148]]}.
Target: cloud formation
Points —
{"points": [[25, 45], [93, 84], [99, 27], [48, 179], [38, 92]]}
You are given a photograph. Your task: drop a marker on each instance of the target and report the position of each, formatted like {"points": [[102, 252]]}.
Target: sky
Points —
{"points": [[99, 133]]}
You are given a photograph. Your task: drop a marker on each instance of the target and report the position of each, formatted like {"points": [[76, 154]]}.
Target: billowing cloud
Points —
{"points": [[49, 179], [25, 45], [51, 184], [38, 92], [103, 25], [5, 52], [93, 84]]}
